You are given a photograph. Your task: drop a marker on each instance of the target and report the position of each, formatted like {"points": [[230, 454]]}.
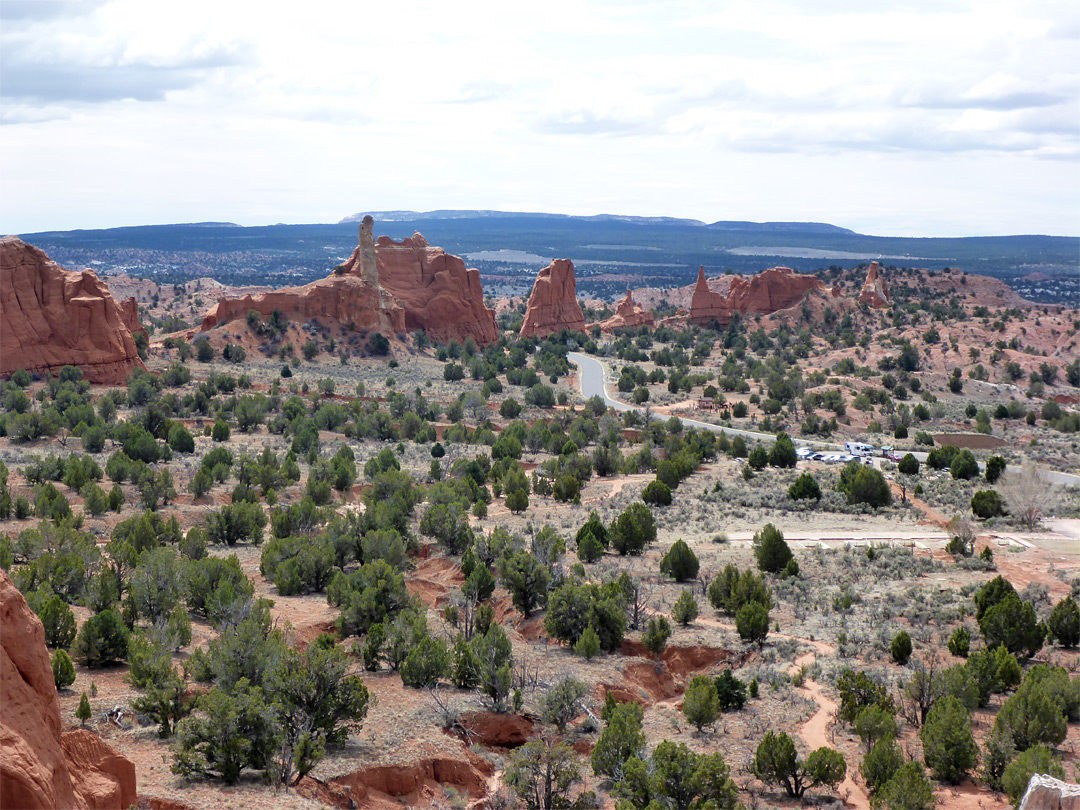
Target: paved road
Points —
{"points": [[594, 383]]}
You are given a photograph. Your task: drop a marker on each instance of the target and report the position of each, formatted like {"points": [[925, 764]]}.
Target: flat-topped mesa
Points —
{"points": [[769, 291], [627, 315], [44, 766], [51, 317], [875, 292], [440, 295], [553, 304]]}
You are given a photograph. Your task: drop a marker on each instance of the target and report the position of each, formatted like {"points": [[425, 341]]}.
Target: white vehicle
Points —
{"points": [[859, 448], [803, 452]]}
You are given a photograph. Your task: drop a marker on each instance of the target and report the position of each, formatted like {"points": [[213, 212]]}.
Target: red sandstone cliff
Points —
{"points": [[627, 314], [440, 295], [51, 318], [41, 766], [769, 291], [553, 304], [338, 297], [129, 312], [875, 292]]}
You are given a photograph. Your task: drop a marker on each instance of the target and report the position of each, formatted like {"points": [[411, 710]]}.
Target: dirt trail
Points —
{"points": [[815, 731]]}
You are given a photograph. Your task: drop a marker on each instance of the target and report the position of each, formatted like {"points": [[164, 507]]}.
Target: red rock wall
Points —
{"points": [[627, 314], [41, 767], [553, 304], [769, 291], [51, 318], [342, 298], [129, 312], [440, 295]]}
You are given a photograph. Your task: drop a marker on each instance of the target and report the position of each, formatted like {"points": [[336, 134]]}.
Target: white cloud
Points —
{"points": [[772, 109]]}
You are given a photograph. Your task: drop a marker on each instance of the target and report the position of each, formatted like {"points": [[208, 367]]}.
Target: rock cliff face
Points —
{"points": [[553, 304], [129, 312], [43, 767], [341, 298], [1047, 793], [351, 294], [627, 314], [440, 295], [875, 292], [51, 318], [769, 291]]}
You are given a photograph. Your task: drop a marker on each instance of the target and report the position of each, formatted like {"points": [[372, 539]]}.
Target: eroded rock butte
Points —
{"points": [[769, 291], [553, 304], [43, 766], [51, 317], [875, 292], [627, 314]]}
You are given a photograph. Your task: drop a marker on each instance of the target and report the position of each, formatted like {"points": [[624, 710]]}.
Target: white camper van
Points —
{"points": [[859, 448]]}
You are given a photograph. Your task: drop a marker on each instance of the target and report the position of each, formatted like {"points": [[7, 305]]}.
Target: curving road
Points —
{"points": [[594, 383]]}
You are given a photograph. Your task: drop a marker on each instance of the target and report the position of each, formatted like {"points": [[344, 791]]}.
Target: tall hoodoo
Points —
{"points": [[365, 252], [875, 292], [43, 766], [553, 304], [51, 318]]}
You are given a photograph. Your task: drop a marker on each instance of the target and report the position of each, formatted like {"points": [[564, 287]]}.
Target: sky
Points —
{"points": [[916, 118]]}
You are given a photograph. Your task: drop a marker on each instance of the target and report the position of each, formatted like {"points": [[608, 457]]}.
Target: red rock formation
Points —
{"points": [[875, 292], [342, 298], [553, 304], [440, 295], [707, 306], [51, 318], [42, 767], [129, 312], [627, 314], [392, 287], [769, 291]]}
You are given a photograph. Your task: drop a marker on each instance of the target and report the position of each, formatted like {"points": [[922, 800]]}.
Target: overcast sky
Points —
{"points": [[920, 118]]}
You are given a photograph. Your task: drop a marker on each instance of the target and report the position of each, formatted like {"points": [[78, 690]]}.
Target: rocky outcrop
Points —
{"points": [[440, 295], [1047, 793], [627, 314], [349, 295], [41, 766], [875, 292], [342, 298], [385, 286], [770, 291], [51, 318], [553, 304], [129, 313]]}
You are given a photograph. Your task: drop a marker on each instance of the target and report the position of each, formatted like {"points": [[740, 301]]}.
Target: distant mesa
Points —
{"points": [[627, 315], [44, 766], [385, 286], [875, 292], [553, 304], [51, 317], [769, 291]]}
